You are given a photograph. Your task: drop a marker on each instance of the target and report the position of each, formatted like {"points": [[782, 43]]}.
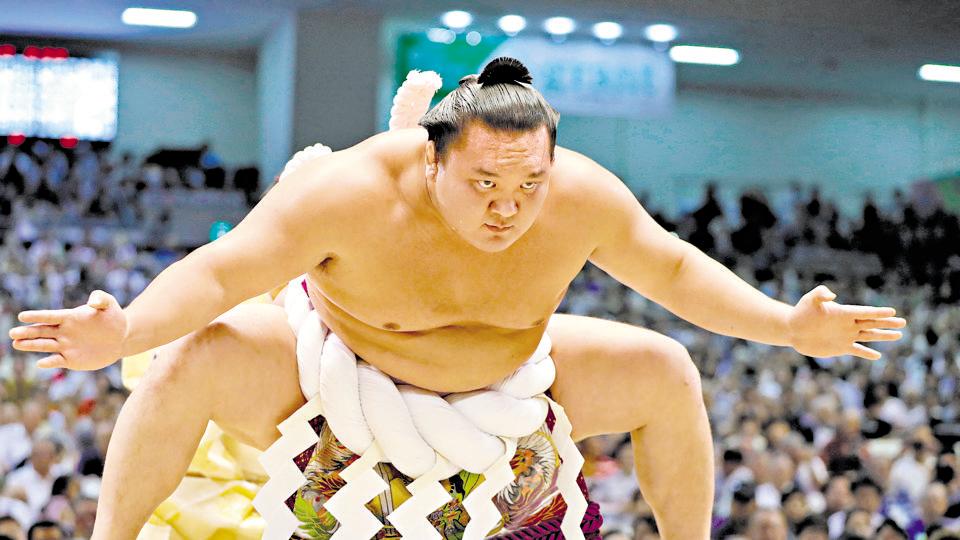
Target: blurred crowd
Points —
{"points": [[805, 448], [812, 449], [88, 184]]}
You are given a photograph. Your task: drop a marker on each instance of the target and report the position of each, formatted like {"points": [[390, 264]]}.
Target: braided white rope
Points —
{"points": [[424, 436]]}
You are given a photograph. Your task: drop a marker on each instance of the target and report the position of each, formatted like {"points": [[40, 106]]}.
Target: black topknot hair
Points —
{"points": [[504, 70]]}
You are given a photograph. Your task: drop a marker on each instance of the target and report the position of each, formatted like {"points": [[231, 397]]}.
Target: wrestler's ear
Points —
{"points": [[430, 161]]}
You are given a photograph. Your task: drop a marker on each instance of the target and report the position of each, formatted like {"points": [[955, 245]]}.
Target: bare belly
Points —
{"points": [[446, 359]]}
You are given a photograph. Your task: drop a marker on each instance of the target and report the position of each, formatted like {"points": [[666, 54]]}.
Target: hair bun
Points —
{"points": [[505, 70]]}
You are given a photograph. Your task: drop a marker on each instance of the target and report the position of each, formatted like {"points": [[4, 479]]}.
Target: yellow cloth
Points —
{"points": [[214, 501]]}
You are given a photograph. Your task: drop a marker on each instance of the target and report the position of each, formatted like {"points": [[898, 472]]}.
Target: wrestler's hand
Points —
{"points": [[84, 338], [822, 328]]}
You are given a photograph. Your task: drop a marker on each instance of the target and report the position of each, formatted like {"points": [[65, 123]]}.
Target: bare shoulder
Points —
{"points": [[347, 180], [598, 195]]}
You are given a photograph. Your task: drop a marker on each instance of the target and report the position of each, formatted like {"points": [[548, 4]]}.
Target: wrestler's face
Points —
{"points": [[491, 184]]}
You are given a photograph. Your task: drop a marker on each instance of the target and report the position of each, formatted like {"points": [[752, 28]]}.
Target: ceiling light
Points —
{"points": [[715, 56], [939, 73], [512, 24], [559, 26], [456, 20], [607, 31], [167, 18], [660, 33], [441, 35]]}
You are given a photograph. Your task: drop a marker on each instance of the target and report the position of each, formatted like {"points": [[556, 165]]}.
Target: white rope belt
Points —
{"points": [[425, 436]]}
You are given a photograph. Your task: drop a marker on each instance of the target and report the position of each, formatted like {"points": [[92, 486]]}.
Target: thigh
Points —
{"points": [[245, 365], [614, 377]]}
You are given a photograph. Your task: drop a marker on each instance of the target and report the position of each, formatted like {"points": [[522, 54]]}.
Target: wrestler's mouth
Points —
{"points": [[494, 228]]}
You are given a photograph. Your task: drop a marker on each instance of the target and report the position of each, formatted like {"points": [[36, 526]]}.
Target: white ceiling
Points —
{"points": [[829, 47], [220, 23]]}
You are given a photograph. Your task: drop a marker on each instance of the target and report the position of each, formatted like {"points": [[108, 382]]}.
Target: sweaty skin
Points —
{"points": [[411, 297], [444, 272]]}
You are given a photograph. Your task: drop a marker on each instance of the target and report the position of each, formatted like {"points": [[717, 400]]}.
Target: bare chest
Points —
{"points": [[404, 283]]}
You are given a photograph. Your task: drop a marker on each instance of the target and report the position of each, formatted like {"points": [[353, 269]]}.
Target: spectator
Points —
{"points": [[933, 508], [733, 474], [813, 528], [869, 498], [45, 530], [795, 509], [912, 472], [645, 528], [11, 528], [767, 524], [788, 425], [614, 491], [742, 507], [37, 476], [889, 530], [858, 525]]}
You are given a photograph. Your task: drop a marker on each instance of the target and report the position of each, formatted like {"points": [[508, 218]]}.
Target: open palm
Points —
{"points": [[85, 338], [822, 328]]}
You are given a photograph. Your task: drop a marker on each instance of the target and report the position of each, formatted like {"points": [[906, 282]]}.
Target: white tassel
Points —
{"points": [[413, 98], [302, 157]]}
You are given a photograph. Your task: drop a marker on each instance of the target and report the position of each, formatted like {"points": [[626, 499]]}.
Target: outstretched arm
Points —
{"points": [[288, 233], [639, 253]]}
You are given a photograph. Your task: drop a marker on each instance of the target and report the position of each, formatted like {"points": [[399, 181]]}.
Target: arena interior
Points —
{"points": [[799, 143]]}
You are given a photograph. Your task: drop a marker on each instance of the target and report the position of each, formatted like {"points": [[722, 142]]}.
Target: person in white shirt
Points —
{"points": [[15, 437], [732, 474], [37, 476], [911, 473]]}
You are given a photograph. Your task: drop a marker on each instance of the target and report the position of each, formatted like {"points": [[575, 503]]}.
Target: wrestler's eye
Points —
{"points": [[530, 186], [486, 184]]}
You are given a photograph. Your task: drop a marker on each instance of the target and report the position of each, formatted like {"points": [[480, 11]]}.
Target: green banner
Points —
{"points": [[949, 189], [452, 61]]}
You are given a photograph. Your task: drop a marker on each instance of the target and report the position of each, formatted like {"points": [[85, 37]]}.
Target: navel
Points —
{"points": [[391, 326]]}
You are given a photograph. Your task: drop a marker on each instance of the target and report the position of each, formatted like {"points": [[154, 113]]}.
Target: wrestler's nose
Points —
{"points": [[504, 208]]}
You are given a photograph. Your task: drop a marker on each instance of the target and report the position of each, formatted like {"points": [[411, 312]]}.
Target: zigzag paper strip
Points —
{"points": [[284, 476], [484, 515], [427, 494], [348, 504], [570, 466]]}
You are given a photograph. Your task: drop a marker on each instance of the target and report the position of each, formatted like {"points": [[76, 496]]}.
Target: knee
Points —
{"points": [[192, 356], [681, 378]]}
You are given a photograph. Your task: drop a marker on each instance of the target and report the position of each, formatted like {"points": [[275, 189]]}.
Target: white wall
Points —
{"points": [[941, 138], [338, 61], [276, 66], [845, 143], [846, 147], [180, 99]]}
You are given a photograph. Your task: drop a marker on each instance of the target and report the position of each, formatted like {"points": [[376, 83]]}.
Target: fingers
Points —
{"points": [[822, 294], [37, 345], [99, 300], [884, 322], [870, 312], [879, 335], [45, 316], [34, 331], [864, 352], [52, 361]]}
